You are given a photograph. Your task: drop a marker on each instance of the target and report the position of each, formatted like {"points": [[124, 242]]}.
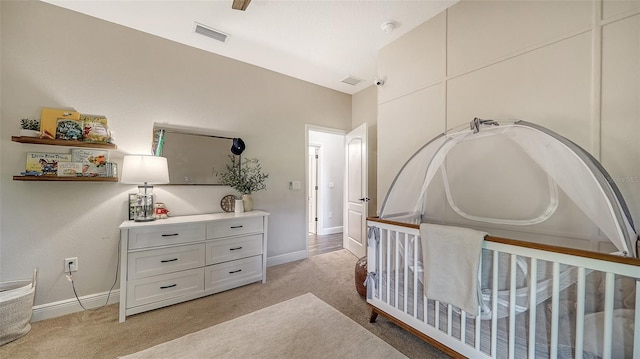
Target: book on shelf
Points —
{"points": [[69, 169], [94, 162], [49, 120], [94, 128], [46, 164], [69, 130]]}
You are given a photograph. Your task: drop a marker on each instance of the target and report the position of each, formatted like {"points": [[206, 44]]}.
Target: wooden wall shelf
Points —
{"points": [[65, 179], [71, 143]]}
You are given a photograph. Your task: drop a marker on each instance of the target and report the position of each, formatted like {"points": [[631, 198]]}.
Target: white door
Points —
{"points": [[356, 196], [313, 189]]}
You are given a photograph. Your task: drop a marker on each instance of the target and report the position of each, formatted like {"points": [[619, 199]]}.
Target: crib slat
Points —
{"points": [[416, 273], [580, 313], [463, 326], [425, 307], [533, 294], [636, 333], [555, 305], [436, 316], [396, 269], [512, 307], [608, 314], [494, 306], [478, 326], [406, 273], [387, 263], [388, 266], [449, 318]]}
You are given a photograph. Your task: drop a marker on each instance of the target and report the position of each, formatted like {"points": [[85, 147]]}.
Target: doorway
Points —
{"points": [[325, 189]]}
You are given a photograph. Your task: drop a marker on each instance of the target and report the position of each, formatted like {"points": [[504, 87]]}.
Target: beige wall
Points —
{"points": [[571, 66], [53, 57]]}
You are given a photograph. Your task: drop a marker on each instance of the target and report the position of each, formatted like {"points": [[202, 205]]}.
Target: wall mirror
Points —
{"points": [[193, 156]]}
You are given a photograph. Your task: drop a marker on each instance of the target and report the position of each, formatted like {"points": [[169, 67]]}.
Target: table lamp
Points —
{"points": [[144, 170]]}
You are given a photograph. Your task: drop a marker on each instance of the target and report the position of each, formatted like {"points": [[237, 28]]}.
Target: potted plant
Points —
{"points": [[246, 177], [29, 127]]}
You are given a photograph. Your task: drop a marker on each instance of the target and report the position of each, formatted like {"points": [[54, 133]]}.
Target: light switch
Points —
{"points": [[330, 184], [296, 185]]}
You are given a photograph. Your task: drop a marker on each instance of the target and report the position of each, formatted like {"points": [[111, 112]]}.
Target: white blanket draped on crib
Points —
{"points": [[452, 257]]}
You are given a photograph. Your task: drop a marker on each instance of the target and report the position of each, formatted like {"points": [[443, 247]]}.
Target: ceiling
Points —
{"points": [[319, 41]]}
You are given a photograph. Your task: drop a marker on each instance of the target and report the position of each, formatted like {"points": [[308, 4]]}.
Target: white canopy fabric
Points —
{"points": [[511, 175]]}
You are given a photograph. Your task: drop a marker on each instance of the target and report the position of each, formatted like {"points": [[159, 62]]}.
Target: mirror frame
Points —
{"points": [[157, 148]]}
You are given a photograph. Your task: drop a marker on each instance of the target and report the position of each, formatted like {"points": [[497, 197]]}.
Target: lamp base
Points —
{"points": [[144, 219], [143, 211]]}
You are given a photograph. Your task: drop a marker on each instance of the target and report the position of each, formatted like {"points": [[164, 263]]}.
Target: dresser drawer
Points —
{"points": [[165, 235], [227, 275], [167, 286], [165, 260], [224, 250], [233, 227]]}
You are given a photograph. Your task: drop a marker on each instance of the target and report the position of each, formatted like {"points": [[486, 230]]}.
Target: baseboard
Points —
{"points": [[286, 258], [331, 230], [68, 306]]}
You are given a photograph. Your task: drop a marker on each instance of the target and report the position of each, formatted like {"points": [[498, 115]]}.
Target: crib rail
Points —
{"points": [[514, 329]]}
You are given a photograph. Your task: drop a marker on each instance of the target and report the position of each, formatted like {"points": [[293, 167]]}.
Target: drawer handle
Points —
{"points": [[168, 286], [235, 249], [235, 227], [171, 235], [235, 271], [168, 260]]}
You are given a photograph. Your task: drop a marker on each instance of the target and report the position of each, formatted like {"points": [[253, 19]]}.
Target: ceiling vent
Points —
{"points": [[352, 80], [209, 32]]}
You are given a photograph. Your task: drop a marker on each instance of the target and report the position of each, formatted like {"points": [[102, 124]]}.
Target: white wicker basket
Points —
{"points": [[16, 308]]}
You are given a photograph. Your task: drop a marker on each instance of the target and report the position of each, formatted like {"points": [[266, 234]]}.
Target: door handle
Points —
{"points": [[365, 199]]}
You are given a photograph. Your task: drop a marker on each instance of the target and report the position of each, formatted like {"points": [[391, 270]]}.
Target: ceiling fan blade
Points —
{"points": [[240, 4]]}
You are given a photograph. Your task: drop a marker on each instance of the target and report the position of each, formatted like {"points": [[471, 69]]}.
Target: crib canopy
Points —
{"points": [[513, 176]]}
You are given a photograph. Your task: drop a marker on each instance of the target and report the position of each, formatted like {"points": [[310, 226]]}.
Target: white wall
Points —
{"points": [[572, 66], [52, 57], [330, 180]]}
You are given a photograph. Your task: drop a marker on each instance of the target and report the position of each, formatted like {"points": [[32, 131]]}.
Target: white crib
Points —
{"points": [[561, 303]]}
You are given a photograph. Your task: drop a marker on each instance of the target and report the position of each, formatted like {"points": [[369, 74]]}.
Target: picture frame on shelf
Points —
{"points": [[132, 205]]}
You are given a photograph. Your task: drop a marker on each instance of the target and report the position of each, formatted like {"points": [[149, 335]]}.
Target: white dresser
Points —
{"points": [[173, 260]]}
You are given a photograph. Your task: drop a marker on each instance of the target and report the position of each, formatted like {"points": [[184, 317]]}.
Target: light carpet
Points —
{"points": [[302, 327]]}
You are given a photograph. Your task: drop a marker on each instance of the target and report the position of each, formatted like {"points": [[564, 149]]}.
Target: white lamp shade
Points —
{"points": [[140, 169]]}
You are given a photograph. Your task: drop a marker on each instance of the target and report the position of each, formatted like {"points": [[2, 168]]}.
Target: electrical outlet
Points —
{"points": [[70, 264]]}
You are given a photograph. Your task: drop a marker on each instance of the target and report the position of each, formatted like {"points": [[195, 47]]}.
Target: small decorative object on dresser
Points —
{"points": [[228, 202], [246, 177], [239, 206], [160, 211]]}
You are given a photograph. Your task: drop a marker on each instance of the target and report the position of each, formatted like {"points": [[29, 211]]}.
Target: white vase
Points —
{"points": [[247, 200], [29, 133], [239, 207]]}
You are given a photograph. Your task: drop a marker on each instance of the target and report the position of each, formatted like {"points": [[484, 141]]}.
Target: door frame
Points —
{"points": [[314, 128], [316, 204]]}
